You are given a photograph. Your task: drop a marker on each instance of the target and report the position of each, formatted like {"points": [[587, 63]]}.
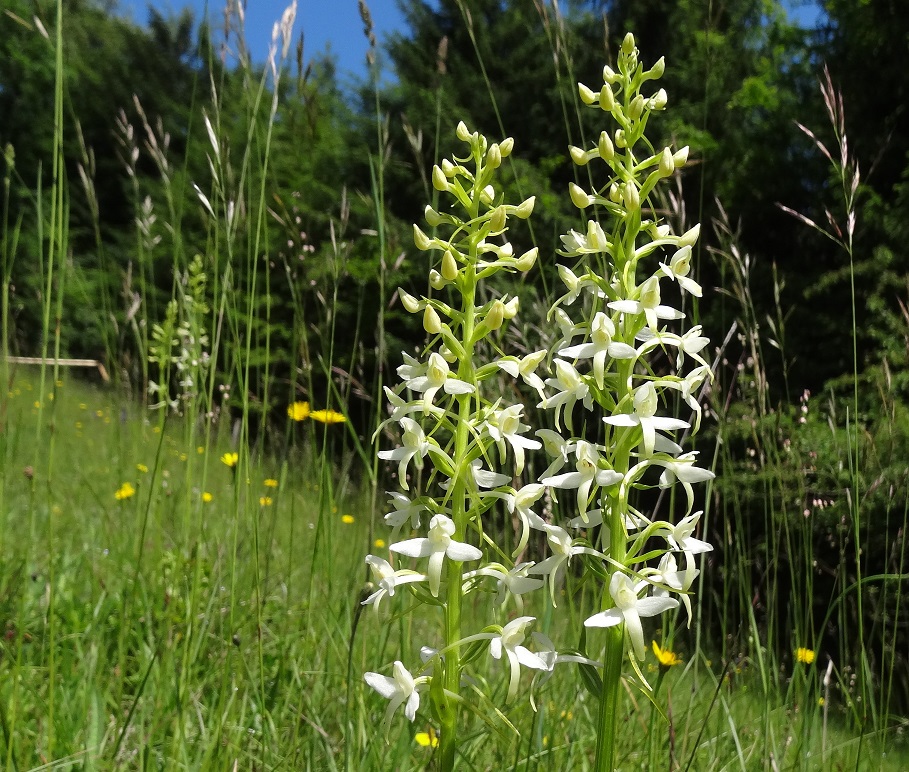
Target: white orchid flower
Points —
{"points": [[601, 345], [629, 608], [645, 404], [692, 342], [525, 369], [387, 579], [401, 689], [587, 472], [546, 651], [556, 447], [436, 375], [570, 388], [684, 470], [482, 478], [437, 546], [688, 386], [505, 426], [668, 573], [567, 327], [512, 581], [416, 445], [519, 502], [404, 510], [563, 550], [509, 643], [678, 268], [649, 305], [680, 538]]}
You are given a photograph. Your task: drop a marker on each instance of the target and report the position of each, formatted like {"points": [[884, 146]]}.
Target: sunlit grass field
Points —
{"points": [[164, 610]]}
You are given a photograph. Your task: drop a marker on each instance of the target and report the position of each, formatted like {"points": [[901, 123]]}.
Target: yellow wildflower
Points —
{"points": [[803, 655], [125, 491], [298, 411], [427, 739], [142, 468], [327, 416], [271, 483], [666, 657], [347, 519], [378, 543], [265, 501], [207, 497], [230, 459]]}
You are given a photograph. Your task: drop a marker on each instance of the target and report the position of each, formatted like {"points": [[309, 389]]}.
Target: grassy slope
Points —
{"points": [[155, 607]]}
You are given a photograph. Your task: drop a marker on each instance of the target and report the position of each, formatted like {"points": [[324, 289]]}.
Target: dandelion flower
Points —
{"points": [[327, 416], [207, 497], [230, 459], [379, 543], [427, 739], [271, 483], [666, 657], [803, 655], [124, 492], [265, 501], [298, 411], [347, 519]]}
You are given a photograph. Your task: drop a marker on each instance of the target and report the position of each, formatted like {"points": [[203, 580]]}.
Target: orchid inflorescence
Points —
{"points": [[463, 448]]}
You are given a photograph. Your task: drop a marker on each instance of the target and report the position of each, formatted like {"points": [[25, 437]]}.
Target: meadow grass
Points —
{"points": [[173, 653]]}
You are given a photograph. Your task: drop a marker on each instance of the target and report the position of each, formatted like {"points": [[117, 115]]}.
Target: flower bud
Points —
{"points": [[636, 108], [620, 138], [578, 156], [607, 98], [614, 194], [525, 209], [494, 156], [681, 157], [439, 181], [628, 44], [578, 197], [497, 220], [488, 195], [449, 266], [690, 236], [658, 101], [496, 315], [409, 302], [596, 236], [431, 321], [463, 132], [631, 197], [667, 163], [609, 75], [506, 146], [433, 218], [525, 262], [435, 280], [511, 308], [448, 168], [605, 147], [681, 261], [588, 97], [657, 70], [422, 241]]}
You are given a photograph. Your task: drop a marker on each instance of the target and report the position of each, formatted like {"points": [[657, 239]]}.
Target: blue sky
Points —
{"points": [[334, 23]]}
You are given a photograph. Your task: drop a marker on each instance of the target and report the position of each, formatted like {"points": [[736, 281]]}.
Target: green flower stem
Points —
{"points": [[448, 713]]}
